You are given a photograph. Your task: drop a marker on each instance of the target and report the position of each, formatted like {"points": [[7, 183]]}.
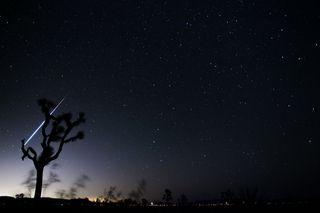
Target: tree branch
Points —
{"points": [[44, 127], [62, 141], [61, 127], [55, 156], [26, 152], [70, 126], [79, 135]]}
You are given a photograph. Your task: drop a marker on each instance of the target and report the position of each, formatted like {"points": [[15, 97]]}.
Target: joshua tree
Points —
{"points": [[55, 130]]}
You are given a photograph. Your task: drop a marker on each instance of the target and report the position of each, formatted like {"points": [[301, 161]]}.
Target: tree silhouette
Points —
{"points": [[72, 193], [61, 126], [144, 202], [167, 196], [19, 196], [61, 193], [182, 200], [227, 197], [249, 196], [81, 182], [111, 195], [137, 194]]}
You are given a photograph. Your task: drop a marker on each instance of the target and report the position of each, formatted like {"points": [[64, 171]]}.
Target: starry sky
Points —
{"points": [[194, 96]]}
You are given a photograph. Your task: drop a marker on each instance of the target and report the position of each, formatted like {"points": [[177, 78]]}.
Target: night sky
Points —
{"points": [[194, 96]]}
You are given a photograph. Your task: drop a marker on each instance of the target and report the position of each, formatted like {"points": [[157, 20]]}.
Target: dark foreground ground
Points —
{"points": [[166, 209], [9, 204]]}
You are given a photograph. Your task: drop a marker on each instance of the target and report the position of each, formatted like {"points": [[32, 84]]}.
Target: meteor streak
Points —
{"points": [[35, 131]]}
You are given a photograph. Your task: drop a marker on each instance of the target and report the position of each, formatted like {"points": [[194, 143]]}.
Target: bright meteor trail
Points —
{"points": [[43, 122]]}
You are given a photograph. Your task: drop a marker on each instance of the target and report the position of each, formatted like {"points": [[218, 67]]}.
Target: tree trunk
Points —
{"points": [[37, 194]]}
